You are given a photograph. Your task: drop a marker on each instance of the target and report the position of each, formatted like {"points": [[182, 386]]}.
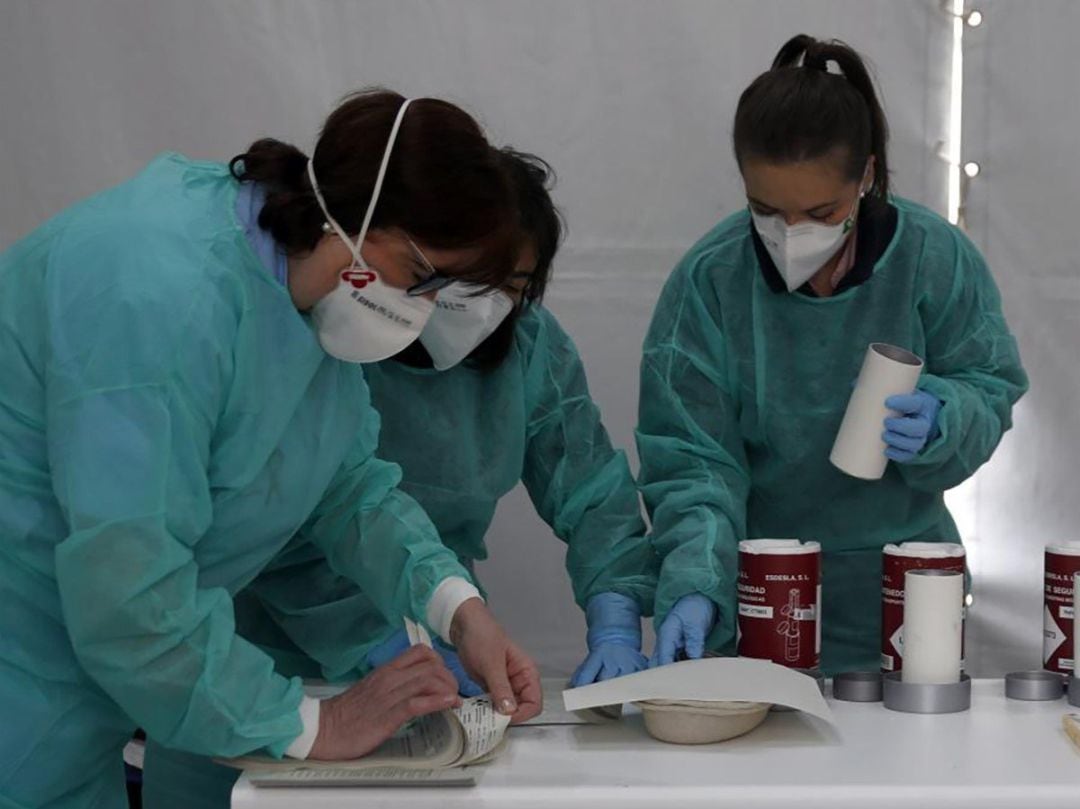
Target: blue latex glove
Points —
{"points": [[914, 429], [614, 639], [397, 643], [685, 628]]}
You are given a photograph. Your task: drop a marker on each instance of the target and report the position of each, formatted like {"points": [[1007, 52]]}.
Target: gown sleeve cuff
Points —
{"points": [[309, 718], [448, 596]]}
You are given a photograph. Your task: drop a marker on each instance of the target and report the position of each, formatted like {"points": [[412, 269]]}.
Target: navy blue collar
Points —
{"points": [[875, 229]]}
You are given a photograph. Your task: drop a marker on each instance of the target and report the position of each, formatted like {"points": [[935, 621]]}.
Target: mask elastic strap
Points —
{"points": [[354, 248], [357, 258]]}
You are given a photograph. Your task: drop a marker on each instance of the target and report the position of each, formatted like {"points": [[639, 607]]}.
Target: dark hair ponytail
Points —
{"points": [[445, 184], [799, 111], [290, 213]]}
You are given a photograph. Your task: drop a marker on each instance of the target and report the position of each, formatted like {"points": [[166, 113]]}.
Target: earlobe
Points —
{"points": [[868, 176]]}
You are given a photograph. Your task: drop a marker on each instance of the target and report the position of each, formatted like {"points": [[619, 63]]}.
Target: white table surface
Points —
{"points": [[1001, 753]]}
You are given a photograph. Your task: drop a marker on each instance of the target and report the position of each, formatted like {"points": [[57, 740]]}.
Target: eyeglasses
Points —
{"points": [[434, 281]]}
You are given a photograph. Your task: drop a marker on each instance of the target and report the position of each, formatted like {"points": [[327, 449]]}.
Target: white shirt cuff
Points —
{"points": [[448, 596], [309, 718]]}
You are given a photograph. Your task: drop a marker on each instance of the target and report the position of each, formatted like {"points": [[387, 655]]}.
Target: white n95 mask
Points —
{"points": [[462, 320], [365, 319], [799, 251]]}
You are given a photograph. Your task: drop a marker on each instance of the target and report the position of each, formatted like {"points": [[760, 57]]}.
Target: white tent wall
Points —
{"points": [[630, 100], [1021, 118]]}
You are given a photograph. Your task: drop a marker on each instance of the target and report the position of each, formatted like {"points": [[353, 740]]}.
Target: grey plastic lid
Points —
{"points": [[858, 686], [1074, 691], [926, 698], [1034, 686]]}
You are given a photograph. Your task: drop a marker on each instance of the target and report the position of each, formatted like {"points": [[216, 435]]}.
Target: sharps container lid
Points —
{"points": [[1034, 686], [857, 686]]}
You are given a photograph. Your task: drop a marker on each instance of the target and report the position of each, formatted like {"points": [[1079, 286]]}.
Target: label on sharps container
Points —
{"points": [[1062, 563], [755, 610], [779, 592]]}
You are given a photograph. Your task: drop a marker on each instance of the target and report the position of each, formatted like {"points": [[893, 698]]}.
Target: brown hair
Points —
{"points": [[798, 111], [540, 224], [445, 185]]}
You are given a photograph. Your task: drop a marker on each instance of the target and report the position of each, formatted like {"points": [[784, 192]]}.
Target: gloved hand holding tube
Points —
{"points": [[908, 434]]}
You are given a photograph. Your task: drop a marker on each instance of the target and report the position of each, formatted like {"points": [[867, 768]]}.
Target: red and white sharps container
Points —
{"points": [[780, 601], [896, 561], [1062, 564]]}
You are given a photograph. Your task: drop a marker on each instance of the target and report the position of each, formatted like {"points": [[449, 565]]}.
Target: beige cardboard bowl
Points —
{"points": [[691, 722]]}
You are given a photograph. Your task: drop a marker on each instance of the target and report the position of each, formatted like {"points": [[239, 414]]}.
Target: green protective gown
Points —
{"points": [[464, 438], [742, 393], [168, 421]]}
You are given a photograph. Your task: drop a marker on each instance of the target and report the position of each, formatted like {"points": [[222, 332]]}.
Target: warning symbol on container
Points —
{"points": [[897, 640], [1053, 635]]}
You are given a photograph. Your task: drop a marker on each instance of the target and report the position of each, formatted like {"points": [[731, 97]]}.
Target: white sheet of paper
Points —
{"points": [[424, 737], [417, 635], [484, 727], [713, 678]]}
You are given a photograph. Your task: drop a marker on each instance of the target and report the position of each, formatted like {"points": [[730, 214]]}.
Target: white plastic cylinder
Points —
{"points": [[887, 371], [933, 621], [896, 561]]}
